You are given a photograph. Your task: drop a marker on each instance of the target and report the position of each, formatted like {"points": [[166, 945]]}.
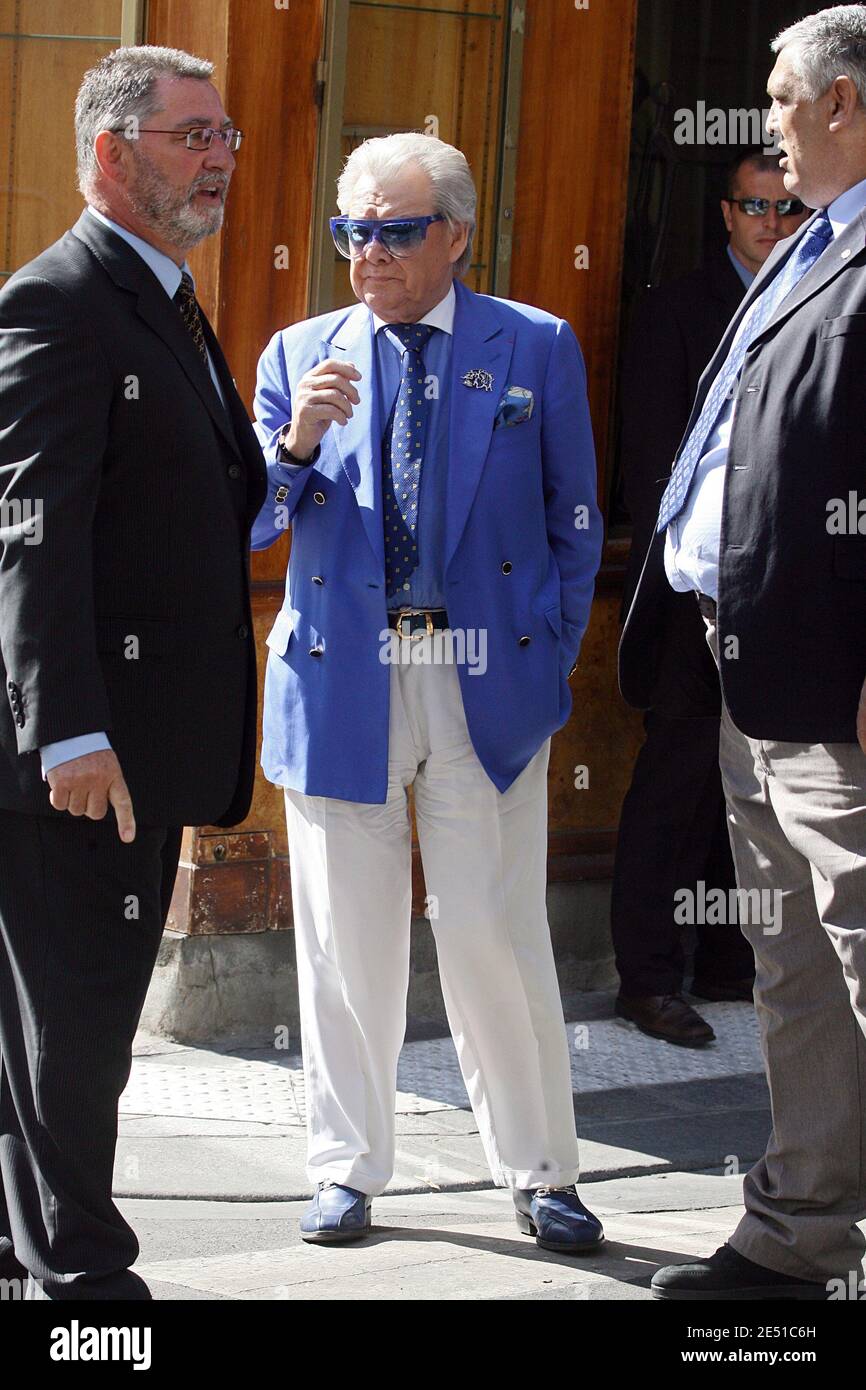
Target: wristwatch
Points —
{"points": [[283, 453]]}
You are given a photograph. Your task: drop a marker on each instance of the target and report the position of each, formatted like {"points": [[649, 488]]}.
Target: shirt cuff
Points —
{"points": [[53, 754]]}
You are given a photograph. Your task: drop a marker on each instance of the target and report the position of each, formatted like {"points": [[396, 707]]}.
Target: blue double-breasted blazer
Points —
{"points": [[523, 538]]}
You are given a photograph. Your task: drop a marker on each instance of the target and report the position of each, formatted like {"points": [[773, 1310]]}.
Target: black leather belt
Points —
{"points": [[707, 606], [418, 622]]}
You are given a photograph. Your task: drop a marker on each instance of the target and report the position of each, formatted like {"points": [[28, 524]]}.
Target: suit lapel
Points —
{"points": [[837, 257], [358, 443], [832, 263], [128, 270], [160, 314], [479, 343]]}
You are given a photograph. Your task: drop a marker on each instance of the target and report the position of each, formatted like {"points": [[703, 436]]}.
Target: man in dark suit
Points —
{"points": [[129, 479], [761, 520], [673, 830]]}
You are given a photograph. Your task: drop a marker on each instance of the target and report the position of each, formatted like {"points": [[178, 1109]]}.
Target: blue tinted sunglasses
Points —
{"points": [[400, 236]]}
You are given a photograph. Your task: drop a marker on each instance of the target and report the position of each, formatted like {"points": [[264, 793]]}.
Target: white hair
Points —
{"points": [[827, 45], [384, 158]]}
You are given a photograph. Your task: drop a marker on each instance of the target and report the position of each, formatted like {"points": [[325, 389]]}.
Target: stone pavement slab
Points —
{"points": [[212, 1124], [456, 1246]]}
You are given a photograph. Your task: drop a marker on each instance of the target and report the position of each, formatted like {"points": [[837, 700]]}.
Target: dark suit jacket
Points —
{"points": [[133, 614], [791, 592], [675, 331]]}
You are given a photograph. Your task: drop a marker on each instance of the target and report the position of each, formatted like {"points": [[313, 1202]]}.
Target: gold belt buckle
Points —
{"points": [[414, 636]]}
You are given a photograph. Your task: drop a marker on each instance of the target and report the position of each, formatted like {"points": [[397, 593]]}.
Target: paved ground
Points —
{"points": [[230, 1126], [440, 1246], [211, 1170]]}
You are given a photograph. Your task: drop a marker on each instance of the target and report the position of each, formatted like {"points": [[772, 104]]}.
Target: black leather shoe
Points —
{"points": [[728, 1275], [735, 991], [665, 1016]]}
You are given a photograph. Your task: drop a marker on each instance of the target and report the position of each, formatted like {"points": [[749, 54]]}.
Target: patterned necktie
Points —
{"points": [[189, 311], [815, 241], [402, 455]]}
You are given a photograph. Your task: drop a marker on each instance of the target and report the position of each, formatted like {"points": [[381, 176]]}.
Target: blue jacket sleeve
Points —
{"points": [[286, 481], [574, 522]]}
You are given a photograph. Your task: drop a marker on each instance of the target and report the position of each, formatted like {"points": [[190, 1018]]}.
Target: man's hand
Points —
{"points": [[324, 395], [85, 786], [861, 719]]}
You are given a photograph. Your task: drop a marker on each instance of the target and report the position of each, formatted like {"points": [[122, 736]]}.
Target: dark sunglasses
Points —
{"points": [[400, 236], [759, 207]]}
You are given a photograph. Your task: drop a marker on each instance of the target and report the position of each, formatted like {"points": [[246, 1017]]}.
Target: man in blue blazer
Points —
{"points": [[431, 450]]}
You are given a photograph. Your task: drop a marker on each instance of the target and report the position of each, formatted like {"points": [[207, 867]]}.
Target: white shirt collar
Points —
{"points": [[167, 271], [440, 316], [846, 207]]}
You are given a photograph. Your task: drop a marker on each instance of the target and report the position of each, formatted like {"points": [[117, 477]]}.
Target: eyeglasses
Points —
{"points": [[200, 137], [400, 236], [759, 207]]}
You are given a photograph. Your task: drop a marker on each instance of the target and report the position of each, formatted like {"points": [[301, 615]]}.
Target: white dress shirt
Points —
{"points": [[692, 541]]}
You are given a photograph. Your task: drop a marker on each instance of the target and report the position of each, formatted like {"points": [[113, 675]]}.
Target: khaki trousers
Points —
{"points": [[797, 819]]}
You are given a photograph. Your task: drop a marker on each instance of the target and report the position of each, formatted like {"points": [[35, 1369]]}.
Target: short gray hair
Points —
{"points": [[752, 158], [384, 157], [827, 45], [122, 87]]}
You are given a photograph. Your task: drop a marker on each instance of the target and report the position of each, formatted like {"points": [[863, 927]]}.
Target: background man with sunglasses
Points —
{"points": [[673, 829], [127, 657], [432, 450]]}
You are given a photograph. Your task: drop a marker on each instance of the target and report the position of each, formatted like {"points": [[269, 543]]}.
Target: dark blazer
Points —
{"points": [[791, 592], [133, 614], [674, 333]]}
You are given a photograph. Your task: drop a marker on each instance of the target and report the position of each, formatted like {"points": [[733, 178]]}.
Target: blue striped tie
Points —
{"points": [[816, 240]]}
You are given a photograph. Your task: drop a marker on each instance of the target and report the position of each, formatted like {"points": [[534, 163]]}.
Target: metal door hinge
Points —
{"points": [[321, 80]]}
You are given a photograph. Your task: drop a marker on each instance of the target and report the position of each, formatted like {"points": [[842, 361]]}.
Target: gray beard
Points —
{"points": [[169, 213]]}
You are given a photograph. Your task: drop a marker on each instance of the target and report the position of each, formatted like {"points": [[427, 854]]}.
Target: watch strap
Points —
{"points": [[285, 457]]}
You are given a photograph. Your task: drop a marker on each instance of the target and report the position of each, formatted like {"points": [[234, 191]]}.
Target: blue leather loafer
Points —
{"points": [[336, 1214], [558, 1219]]}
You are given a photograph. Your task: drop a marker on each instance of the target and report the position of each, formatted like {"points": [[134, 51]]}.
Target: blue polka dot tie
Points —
{"points": [[402, 456], [812, 245]]}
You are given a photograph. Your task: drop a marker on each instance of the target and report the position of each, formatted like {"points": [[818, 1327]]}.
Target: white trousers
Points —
{"points": [[485, 859]]}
